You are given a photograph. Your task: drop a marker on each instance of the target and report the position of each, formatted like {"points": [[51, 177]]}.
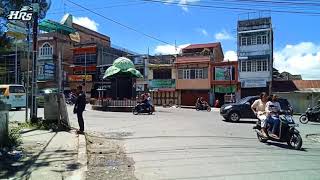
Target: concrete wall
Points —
{"points": [[300, 101]]}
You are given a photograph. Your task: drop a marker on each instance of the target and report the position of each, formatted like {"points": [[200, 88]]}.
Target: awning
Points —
{"points": [[52, 26]]}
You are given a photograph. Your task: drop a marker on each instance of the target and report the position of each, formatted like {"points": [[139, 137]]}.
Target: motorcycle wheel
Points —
{"points": [[208, 108], [304, 119], [198, 109], [295, 141], [135, 111], [261, 139]]}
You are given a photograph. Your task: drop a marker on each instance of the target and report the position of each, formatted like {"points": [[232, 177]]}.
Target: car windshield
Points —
{"points": [[244, 100]]}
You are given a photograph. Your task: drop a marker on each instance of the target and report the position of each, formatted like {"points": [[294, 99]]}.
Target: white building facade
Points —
{"points": [[255, 55]]}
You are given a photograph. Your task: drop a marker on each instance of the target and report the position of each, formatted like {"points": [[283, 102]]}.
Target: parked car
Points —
{"points": [[42, 92], [242, 109]]}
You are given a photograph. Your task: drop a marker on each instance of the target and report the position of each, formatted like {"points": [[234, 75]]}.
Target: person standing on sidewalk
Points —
{"points": [[79, 107]]}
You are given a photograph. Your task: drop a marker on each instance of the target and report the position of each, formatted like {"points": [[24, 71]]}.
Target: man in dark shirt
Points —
{"points": [[79, 107]]}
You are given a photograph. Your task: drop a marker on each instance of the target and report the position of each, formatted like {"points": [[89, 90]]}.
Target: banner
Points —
{"points": [[225, 89], [223, 73], [162, 83], [79, 78]]}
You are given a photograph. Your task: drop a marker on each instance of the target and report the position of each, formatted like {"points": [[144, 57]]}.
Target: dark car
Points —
{"points": [[242, 109]]}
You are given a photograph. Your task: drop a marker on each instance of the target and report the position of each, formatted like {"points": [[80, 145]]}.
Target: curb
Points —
{"points": [[80, 174]]}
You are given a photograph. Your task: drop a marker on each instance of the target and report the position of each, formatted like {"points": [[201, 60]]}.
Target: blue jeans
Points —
{"points": [[274, 121]]}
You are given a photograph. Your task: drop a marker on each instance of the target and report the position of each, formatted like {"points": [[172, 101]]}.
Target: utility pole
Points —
{"points": [[85, 72], [16, 64], [28, 61], [33, 114]]}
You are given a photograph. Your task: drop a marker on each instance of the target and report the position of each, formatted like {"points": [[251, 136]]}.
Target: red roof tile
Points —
{"points": [[295, 85], [199, 46]]}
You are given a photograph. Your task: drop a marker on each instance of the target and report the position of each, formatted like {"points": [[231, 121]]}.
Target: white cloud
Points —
{"points": [[182, 3], [86, 22], [302, 58], [202, 31], [223, 35], [169, 49], [231, 56]]}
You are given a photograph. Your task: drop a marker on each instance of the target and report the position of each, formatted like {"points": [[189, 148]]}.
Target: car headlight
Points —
{"points": [[227, 107]]}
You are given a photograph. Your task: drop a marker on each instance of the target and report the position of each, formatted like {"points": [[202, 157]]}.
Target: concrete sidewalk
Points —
{"points": [[45, 154]]}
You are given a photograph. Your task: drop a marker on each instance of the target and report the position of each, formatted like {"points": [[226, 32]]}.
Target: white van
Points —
{"points": [[13, 94]]}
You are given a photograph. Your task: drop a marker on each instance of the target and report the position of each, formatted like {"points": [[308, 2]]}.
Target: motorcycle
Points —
{"points": [[311, 114], [142, 108], [202, 107], [287, 132]]}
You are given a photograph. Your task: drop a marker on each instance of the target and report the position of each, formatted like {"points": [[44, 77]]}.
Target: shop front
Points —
{"points": [[163, 91]]}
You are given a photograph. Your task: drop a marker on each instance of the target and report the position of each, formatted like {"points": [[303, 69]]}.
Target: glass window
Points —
{"points": [[180, 74], [254, 40], [264, 65], [162, 74], [254, 66], [16, 89], [205, 73], [243, 41], [264, 39], [248, 66], [186, 74], [259, 66], [199, 74], [259, 40], [249, 40], [243, 66], [192, 73]]}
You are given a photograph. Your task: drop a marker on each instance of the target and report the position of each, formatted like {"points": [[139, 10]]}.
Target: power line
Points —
{"points": [[116, 22], [233, 8], [97, 8]]}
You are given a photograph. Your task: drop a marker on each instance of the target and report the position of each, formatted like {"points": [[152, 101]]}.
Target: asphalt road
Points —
{"points": [[185, 144]]}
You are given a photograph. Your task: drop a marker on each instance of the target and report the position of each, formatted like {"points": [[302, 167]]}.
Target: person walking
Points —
{"points": [[79, 107]]}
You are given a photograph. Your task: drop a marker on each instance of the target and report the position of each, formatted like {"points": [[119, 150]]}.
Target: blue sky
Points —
{"points": [[297, 39]]}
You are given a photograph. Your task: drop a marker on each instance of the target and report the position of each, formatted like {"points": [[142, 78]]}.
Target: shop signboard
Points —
{"points": [[253, 83], [80, 78], [223, 73], [162, 83], [225, 88]]}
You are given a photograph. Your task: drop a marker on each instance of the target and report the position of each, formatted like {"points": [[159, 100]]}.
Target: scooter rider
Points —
{"points": [[259, 109], [273, 108]]}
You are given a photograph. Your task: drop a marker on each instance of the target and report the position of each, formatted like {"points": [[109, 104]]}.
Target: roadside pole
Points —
{"points": [[33, 114], [16, 64], [27, 83]]}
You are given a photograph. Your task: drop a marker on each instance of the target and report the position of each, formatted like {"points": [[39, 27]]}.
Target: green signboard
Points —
{"points": [[223, 73], [162, 83], [225, 89]]}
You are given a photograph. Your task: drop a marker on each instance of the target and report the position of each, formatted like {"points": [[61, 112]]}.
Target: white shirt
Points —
{"points": [[272, 107]]}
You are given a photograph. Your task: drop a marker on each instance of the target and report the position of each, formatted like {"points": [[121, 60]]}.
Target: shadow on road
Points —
{"points": [[283, 145], [241, 122]]}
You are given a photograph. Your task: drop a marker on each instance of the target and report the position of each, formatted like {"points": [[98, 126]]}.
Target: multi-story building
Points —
{"points": [[193, 68], [162, 80], [224, 82], [255, 55]]}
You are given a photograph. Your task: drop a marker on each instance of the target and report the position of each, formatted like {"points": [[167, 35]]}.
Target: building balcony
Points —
{"points": [[194, 59], [189, 84]]}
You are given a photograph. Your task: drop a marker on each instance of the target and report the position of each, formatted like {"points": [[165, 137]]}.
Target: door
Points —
{"points": [[246, 110]]}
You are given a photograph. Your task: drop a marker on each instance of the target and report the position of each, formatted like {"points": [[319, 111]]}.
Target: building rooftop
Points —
{"points": [[201, 46], [296, 85]]}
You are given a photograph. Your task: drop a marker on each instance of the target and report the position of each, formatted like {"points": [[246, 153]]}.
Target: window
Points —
{"points": [[254, 40], [193, 73], [264, 39], [41, 70], [46, 50], [248, 66], [162, 74], [243, 41], [199, 74], [249, 41], [88, 59], [264, 65], [259, 66], [259, 40], [16, 89], [243, 66], [186, 74], [254, 66]]}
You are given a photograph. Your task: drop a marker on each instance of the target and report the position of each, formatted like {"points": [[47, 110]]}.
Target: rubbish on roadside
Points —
{"points": [[15, 154]]}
